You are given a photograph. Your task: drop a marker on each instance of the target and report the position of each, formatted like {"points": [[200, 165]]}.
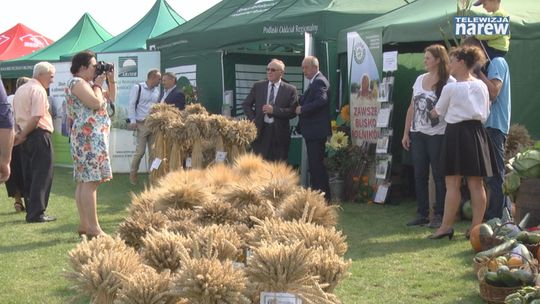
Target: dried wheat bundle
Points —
{"points": [[160, 116], [197, 128], [181, 177], [218, 127], [98, 278], [187, 195], [218, 212], [219, 177], [210, 281], [330, 268], [135, 226], [251, 213], [181, 221], [309, 206], [249, 166], [179, 144], [164, 107], [142, 202], [158, 122], [237, 136], [194, 108], [216, 241], [287, 232], [146, 287], [276, 267], [247, 199], [242, 194], [279, 170], [277, 190], [162, 250], [81, 254]]}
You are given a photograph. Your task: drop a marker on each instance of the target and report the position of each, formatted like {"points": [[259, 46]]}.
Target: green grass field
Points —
{"points": [[392, 263]]}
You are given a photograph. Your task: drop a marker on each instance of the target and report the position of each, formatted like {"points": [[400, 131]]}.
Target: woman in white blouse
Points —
{"points": [[466, 149]]}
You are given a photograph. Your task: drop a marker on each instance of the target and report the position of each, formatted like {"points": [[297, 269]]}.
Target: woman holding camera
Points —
{"points": [[89, 136]]}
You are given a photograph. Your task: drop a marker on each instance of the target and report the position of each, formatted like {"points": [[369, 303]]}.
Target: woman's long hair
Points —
{"points": [[438, 51]]}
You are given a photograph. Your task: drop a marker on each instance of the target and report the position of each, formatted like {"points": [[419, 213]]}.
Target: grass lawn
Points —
{"points": [[392, 263]]}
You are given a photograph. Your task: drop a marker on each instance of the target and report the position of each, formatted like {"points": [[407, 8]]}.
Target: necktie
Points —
{"points": [[270, 101], [271, 96]]}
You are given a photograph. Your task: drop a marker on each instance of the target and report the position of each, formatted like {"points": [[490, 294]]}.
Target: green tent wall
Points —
{"points": [[411, 28], [232, 29], [85, 33]]}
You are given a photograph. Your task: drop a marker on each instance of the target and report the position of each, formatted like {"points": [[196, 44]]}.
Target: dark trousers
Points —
{"points": [[317, 171], [269, 147], [497, 200], [15, 183], [426, 151], [37, 163]]}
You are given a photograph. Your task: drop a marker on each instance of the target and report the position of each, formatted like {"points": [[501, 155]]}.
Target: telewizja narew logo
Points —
{"points": [[476, 25]]}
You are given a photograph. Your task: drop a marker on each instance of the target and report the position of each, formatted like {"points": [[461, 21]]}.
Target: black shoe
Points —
{"points": [[419, 221], [435, 222], [449, 234], [43, 219]]}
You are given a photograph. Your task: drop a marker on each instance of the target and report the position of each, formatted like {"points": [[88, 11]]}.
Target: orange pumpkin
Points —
{"points": [[475, 238]]}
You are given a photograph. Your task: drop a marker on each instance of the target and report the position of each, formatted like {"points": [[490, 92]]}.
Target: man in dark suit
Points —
{"points": [[171, 94], [271, 104], [314, 123]]}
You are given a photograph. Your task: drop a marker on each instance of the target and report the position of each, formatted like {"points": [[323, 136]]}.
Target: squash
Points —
{"points": [[474, 238], [481, 237], [487, 239]]}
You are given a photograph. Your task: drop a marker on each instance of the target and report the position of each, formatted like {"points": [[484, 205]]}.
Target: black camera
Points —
{"points": [[103, 67]]}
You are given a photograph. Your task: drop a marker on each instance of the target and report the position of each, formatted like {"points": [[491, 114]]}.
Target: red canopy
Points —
{"points": [[19, 41]]}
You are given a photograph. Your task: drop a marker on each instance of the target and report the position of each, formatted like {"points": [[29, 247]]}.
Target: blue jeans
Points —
{"points": [[497, 200], [425, 151]]}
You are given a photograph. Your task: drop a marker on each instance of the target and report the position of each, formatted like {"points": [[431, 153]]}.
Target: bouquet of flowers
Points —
{"points": [[336, 148]]}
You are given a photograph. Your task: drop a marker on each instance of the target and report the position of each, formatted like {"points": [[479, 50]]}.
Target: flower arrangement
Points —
{"points": [[364, 191], [336, 147]]}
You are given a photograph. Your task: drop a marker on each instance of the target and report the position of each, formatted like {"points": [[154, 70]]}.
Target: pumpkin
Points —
{"points": [[474, 238]]}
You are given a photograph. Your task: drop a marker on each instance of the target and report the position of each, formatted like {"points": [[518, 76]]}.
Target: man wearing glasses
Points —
{"points": [[270, 105]]}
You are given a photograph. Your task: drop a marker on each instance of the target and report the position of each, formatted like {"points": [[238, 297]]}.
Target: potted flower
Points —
{"points": [[336, 148]]}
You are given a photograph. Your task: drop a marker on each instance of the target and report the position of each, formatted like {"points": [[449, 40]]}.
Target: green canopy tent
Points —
{"points": [[159, 19], [411, 28], [85, 33], [254, 31]]}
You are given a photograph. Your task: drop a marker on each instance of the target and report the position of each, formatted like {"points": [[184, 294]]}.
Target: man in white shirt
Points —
{"points": [[141, 98]]}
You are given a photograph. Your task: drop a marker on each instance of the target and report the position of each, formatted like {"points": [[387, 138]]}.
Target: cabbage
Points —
{"points": [[511, 183], [527, 164]]}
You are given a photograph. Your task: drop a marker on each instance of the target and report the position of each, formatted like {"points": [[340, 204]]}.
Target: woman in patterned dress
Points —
{"points": [[89, 136]]}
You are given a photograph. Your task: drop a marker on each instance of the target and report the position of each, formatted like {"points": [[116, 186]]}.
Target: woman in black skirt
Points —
{"points": [[465, 150], [15, 185]]}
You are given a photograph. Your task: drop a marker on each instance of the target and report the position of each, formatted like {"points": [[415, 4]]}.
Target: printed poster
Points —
{"points": [[364, 51], [131, 68]]}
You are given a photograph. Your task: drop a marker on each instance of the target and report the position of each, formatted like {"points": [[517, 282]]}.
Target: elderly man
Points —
{"points": [[35, 127], [314, 123], [141, 98], [270, 104], [171, 94]]}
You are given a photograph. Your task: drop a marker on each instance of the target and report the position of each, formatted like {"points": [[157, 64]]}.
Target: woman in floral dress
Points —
{"points": [[89, 136]]}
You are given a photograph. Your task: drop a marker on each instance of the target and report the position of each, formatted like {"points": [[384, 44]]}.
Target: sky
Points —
{"points": [[54, 18]]}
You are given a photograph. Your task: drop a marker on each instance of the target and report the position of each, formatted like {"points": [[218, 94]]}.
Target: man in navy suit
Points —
{"points": [[270, 104], [171, 94], [314, 123]]}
